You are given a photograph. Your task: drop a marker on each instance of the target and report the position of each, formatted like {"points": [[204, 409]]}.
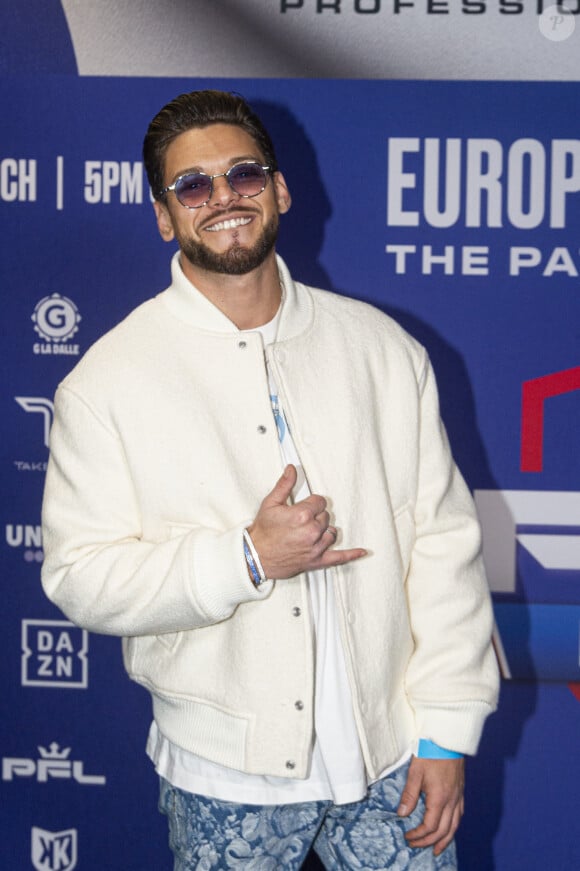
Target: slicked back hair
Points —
{"points": [[194, 110]]}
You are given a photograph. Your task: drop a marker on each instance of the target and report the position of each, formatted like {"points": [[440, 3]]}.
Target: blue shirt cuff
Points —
{"points": [[430, 750]]}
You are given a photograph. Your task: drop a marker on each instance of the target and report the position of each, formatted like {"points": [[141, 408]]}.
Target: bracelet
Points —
{"points": [[253, 560], [252, 566], [430, 750]]}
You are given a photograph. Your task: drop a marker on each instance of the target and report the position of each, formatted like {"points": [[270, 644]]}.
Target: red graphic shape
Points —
{"points": [[534, 393]]}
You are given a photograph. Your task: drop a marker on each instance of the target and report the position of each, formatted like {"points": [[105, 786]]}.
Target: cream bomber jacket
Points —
{"points": [[162, 448]]}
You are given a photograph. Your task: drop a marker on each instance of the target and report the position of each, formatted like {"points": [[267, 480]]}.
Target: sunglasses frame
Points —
{"points": [[172, 187]]}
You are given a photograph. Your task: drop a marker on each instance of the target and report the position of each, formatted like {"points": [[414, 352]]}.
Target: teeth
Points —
{"points": [[229, 225]]}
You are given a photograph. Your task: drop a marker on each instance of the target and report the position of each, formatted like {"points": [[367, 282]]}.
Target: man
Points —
{"points": [[249, 481]]}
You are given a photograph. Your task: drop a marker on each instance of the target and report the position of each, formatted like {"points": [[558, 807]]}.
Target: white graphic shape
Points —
{"points": [[557, 23], [501, 511], [38, 405]]}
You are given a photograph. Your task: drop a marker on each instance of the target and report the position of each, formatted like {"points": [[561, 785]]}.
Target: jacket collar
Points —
{"points": [[188, 304]]}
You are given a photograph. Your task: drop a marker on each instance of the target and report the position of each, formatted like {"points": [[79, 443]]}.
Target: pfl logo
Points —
{"points": [[56, 320], [54, 762], [54, 851], [54, 654]]}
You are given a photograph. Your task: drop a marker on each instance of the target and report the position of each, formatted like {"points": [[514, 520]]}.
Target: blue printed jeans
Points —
{"points": [[205, 833]]}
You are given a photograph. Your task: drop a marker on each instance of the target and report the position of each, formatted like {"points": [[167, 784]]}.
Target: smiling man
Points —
{"points": [[231, 234], [250, 482]]}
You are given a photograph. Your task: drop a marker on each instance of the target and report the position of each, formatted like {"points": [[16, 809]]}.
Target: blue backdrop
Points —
{"points": [[452, 206]]}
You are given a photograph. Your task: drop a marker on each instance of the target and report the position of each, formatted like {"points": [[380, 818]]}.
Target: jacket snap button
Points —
{"points": [[290, 764], [262, 429], [299, 705], [296, 612], [242, 345]]}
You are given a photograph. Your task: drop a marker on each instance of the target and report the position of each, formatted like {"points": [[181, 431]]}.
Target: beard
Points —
{"points": [[238, 259]]}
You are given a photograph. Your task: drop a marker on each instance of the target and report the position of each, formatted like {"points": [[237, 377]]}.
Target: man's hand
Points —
{"points": [[296, 538], [441, 781]]}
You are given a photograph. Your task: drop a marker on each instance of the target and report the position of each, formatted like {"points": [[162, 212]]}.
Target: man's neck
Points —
{"points": [[249, 300]]}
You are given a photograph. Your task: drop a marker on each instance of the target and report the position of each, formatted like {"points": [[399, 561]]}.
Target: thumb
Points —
{"points": [[412, 790], [282, 488]]}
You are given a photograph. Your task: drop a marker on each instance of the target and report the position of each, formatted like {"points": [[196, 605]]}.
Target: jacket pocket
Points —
{"points": [[169, 640]]}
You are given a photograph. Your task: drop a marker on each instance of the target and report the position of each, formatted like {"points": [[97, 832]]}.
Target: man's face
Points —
{"points": [[230, 234]]}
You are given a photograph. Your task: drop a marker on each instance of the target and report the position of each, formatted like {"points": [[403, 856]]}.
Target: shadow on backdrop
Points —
{"points": [[302, 228]]}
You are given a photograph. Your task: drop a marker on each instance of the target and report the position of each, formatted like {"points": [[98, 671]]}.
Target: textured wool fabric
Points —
{"points": [[162, 449]]}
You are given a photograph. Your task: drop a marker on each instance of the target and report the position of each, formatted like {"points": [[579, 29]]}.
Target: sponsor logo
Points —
{"points": [[54, 762], [56, 320], [30, 465], [28, 538], [54, 851], [38, 405], [531, 550], [54, 654], [43, 407]]}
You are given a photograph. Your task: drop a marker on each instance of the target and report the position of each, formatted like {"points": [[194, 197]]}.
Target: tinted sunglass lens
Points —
{"points": [[247, 179], [193, 190]]}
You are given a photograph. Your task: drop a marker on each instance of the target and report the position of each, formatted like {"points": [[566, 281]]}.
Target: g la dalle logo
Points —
{"points": [[56, 320]]}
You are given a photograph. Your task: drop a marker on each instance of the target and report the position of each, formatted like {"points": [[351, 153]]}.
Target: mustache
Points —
{"points": [[237, 212]]}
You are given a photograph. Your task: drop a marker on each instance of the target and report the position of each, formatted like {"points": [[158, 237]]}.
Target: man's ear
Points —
{"points": [[283, 198], [164, 222]]}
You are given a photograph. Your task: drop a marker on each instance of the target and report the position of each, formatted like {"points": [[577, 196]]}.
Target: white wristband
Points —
{"points": [[255, 558]]}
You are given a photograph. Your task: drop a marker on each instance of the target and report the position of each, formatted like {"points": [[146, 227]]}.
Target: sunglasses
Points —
{"points": [[195, 189]]}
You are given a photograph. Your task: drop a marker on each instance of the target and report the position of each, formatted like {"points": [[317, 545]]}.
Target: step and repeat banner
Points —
{"points": [[432, 149]]}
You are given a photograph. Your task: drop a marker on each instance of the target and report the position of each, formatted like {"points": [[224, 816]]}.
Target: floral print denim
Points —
{"points": [[367, 835]]}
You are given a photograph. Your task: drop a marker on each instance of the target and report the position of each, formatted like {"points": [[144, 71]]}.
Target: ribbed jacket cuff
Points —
{"points": [[457, 726], [220, 573]]}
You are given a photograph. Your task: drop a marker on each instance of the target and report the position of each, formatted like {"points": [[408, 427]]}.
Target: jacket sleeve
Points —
{"points": [[452, 677], [99, 569]]}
